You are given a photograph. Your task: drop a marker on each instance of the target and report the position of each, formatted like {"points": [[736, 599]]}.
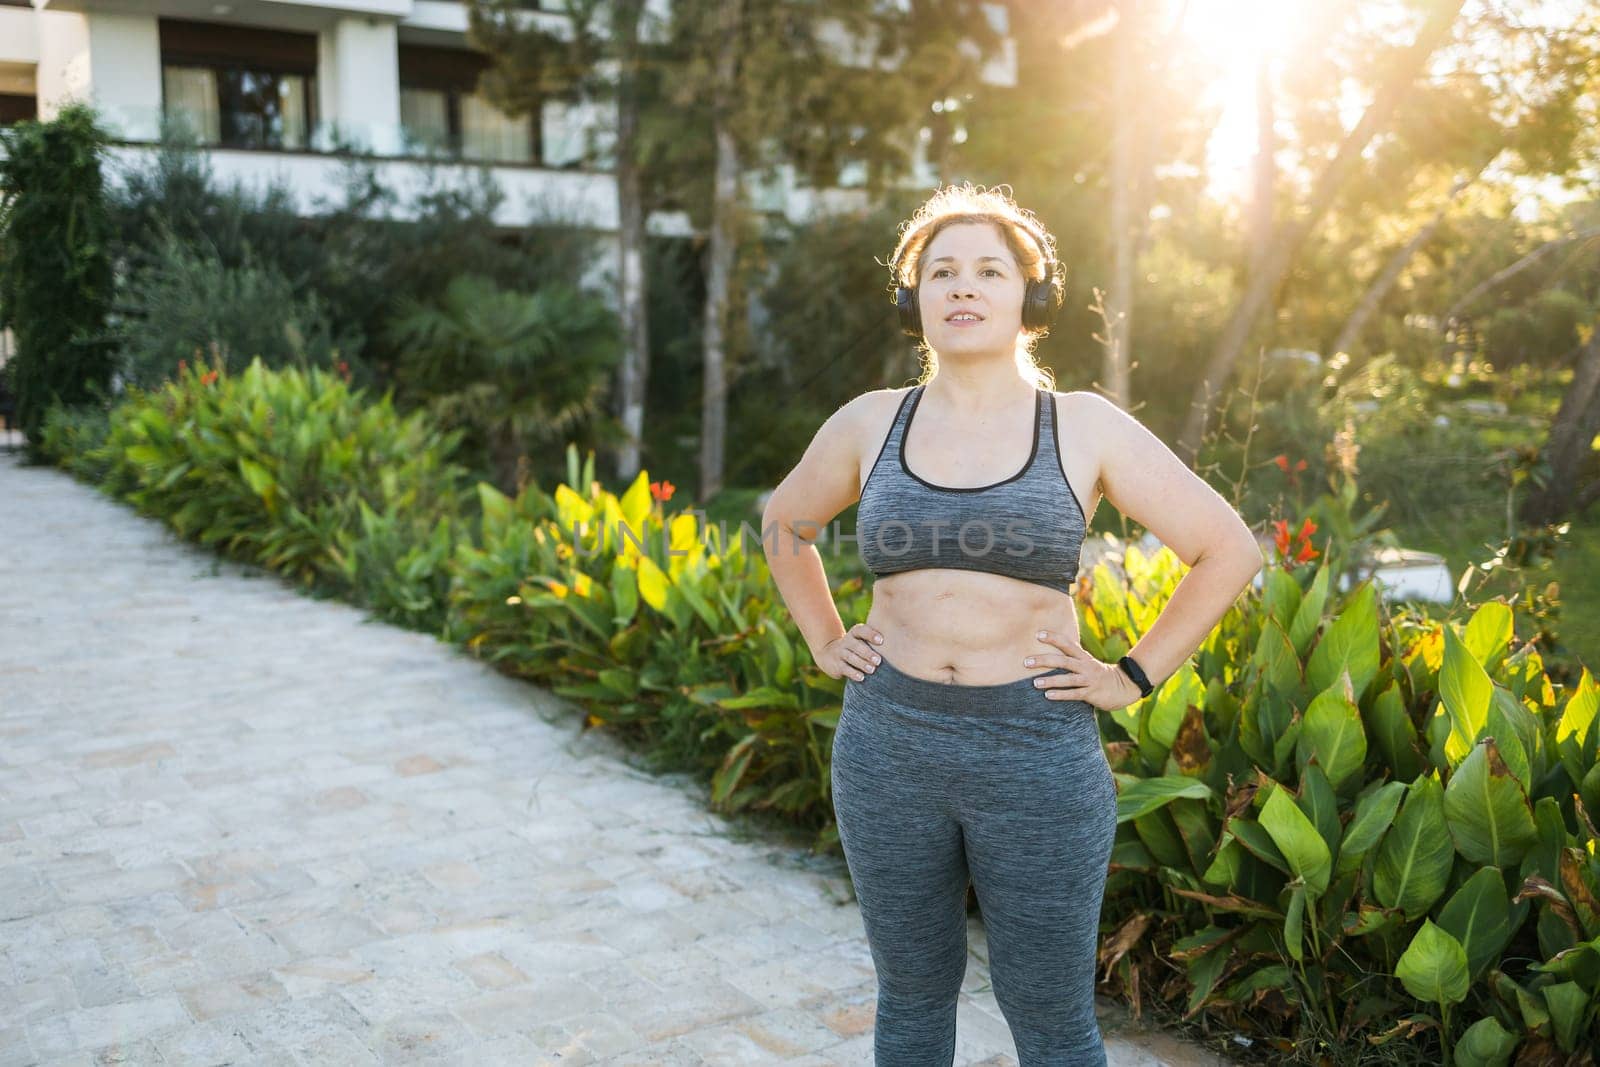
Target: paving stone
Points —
{"points": [[87, 1029], [246, 826]]}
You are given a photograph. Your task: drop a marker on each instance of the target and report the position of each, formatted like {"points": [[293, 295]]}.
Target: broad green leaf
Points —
{"points": [[1331, 731], [1368, 919], [1415, 856], [1574, 728], [1299, 841], [1257, 841], [1579, 884], [1169, 705], [1145, 795], [1374, 814], [1487, 812], [1544, 857], [1308, 616], [1485, 1044], [1294, 921], [1394, 733], [1275, 657], [1466, 691], [1488, 634], [257, 477], [1529, 1005], [1516, 732], [624, 595], [653, 583], [1195, 830], [1203, 974], [635, 506], [1161, 837], [1570, 1008], [1316, 799], [1224, 867], [1280, 596], [1433, 967], [1477, 915], [1349, 645], [783, 649], [494, 505]]}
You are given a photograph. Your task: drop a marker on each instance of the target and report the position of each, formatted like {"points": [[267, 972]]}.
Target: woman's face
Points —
{"points": [[970, 290]]}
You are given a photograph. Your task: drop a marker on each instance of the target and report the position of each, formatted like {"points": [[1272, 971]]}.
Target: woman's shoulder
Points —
{"points": [[868, 409], [1088, 406]]}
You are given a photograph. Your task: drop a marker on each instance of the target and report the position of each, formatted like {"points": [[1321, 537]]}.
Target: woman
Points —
{"points": [[967, 745]]}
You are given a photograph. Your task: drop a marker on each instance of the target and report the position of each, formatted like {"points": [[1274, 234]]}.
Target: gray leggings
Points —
{"points": [[935, 783]]}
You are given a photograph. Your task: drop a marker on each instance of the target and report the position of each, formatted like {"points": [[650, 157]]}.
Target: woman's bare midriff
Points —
{"points": [[967, 627]]}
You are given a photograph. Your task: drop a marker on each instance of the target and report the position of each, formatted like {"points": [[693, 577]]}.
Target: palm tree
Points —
{"points": [[514, 370]]}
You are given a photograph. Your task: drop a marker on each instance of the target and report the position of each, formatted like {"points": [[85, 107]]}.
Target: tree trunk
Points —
{"points": [[1280, 256], [723, 251], [635, 370], [1567, 450]]}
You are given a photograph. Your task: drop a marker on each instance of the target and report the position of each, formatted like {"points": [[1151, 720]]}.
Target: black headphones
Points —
{"points": [[1041, 299]]}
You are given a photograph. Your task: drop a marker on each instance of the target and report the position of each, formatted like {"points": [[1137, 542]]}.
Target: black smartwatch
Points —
{"points": [[1135, 672]]}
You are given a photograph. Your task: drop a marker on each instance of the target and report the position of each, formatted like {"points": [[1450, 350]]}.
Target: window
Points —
{"points": [[17, 107], [425, 115], [442, 109], [239, 87]]}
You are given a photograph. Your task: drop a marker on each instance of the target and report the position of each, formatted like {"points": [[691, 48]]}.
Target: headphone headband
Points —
{"points": [[1041, 298]]}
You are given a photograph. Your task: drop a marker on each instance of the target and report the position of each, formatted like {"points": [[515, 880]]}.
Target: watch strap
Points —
{"points": [[1131, 668]]}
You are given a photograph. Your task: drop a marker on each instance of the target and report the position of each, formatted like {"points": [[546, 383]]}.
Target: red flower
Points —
{"points": [[208, 377], [662, 490], [1282, 462], [1281, 538]]}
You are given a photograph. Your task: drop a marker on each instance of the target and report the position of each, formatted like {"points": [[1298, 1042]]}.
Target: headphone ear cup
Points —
{"points": [[1041, 302], [905, 301]]}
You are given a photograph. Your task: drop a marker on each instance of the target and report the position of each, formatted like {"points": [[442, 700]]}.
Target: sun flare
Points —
{"points": [[1234, 37]]}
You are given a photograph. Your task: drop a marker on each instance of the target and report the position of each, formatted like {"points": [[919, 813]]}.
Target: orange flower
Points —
{"points": [[1282, 462], [1281, 538], [208, 377], [662, 490]]}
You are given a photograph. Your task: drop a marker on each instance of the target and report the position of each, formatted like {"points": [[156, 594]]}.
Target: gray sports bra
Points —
{"points": [[1029, 526]]}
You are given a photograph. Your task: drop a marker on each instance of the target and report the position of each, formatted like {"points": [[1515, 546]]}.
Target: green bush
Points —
{"points": [[55, 263], [188, 303], [293, 471], [1348, 828]]}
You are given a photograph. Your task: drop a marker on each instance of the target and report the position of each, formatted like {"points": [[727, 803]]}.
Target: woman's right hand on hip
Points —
{"points": [[850, 654]]}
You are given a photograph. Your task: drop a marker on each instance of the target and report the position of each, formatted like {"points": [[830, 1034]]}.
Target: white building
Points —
{"points": [[288, 89]]}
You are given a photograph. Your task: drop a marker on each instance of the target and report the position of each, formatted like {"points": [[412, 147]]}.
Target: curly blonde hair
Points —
{"points": [[1023, 233]]}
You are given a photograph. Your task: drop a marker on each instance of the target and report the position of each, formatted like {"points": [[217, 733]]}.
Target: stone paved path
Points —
{"points": [[242, 826]]}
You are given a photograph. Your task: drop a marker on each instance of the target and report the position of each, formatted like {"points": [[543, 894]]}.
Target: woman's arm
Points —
{"points": [[1146, 481], [820, 486]]}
